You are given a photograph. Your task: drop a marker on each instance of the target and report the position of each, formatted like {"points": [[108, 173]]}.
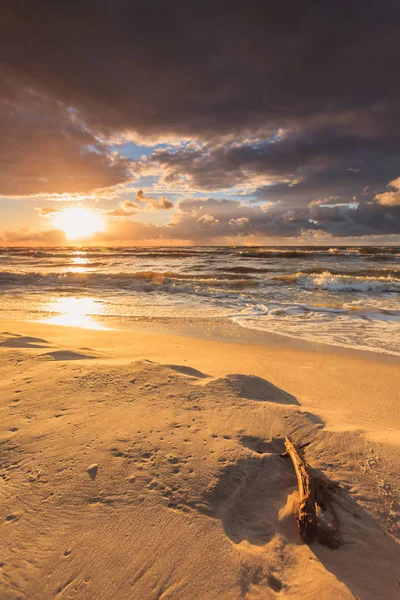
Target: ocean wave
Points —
{"points": [[122, 280], [94, 252], [275, 253], [372, 252], [378, 250], [332, 282], [311, 312], [364, 329], [244, 270], [174, 252], [362, 272]]}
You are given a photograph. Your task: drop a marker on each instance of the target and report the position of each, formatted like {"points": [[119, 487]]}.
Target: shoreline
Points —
{"points": [[221, 330], [210, 328]]}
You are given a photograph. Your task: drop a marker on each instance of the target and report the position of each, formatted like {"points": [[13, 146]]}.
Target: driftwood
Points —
{"points": [[314, 491], [307, 520]]}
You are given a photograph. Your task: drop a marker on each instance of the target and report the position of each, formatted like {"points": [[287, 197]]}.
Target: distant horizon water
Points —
{"points": [[341, 295]]}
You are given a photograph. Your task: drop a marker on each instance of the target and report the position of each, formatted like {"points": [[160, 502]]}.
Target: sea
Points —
{"points": [[343, 296]]}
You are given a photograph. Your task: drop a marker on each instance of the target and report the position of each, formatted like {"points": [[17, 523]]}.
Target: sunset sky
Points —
{"points": [[214, 123]]}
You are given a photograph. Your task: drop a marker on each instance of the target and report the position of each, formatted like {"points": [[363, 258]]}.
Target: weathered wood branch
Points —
{"points": [[314, 491], [307, 520]]}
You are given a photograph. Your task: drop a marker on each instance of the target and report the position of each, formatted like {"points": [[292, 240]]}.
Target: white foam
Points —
{"points": [[346, 283]]}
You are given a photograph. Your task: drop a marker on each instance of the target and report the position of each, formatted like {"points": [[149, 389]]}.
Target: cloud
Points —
{"points": [[210, 219], [282, 105], [118, 212], [45, 150], [126, 209], [390, 198], [162, 204], [295, 167], [53, 237], [290, 158], [126, 231], [143, 203], [204, 69], [207, 220], [128, 205], [46, 211], [293, 170]]}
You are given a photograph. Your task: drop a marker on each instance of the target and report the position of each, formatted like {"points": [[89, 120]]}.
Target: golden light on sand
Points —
{"points": [[75, 312], [78, 222]]}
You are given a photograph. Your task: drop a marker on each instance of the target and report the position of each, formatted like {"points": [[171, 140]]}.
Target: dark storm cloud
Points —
{"points": [[43, 149], [368, 218], [318, 79], [305, 154], [336, 183], [205, 68]]}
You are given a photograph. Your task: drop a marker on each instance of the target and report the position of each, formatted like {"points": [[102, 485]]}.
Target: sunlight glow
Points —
{"points": [[75, 312], [77, 222]]}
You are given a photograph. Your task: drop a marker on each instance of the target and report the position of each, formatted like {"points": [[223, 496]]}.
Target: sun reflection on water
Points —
{"points": [[81, 265], [80, 260], [75, 312]]}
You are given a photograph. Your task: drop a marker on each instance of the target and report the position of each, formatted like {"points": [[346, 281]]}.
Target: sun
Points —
{"points": [[77, 222]]}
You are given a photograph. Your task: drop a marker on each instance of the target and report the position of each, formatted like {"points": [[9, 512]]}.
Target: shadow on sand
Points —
{"points": [[65, 355], [251, 387], [20, 341]]}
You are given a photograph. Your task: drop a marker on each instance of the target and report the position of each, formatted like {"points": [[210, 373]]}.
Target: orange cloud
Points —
{"points": [[162, 204], [390, 198], [53, 237]]}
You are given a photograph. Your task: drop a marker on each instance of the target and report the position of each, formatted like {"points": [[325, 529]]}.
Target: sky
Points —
{"points": [[213, 122]]}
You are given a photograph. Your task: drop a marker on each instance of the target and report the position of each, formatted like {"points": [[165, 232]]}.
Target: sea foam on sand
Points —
{"points": [[131, 469]]}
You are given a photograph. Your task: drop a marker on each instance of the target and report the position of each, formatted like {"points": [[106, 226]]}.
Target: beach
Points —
{"points": [[199, 300], [144, 463]]}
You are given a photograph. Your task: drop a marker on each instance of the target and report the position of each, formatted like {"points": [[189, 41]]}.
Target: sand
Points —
{"points": [[139, 465]]}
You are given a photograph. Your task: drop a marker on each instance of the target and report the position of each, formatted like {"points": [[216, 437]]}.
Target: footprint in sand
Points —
{"points": [[92, 471], [12, 517], [274, 583]]}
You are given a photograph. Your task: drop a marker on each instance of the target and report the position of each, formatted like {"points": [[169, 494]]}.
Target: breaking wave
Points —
{"points": [[342, 283], [119, 280]]}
